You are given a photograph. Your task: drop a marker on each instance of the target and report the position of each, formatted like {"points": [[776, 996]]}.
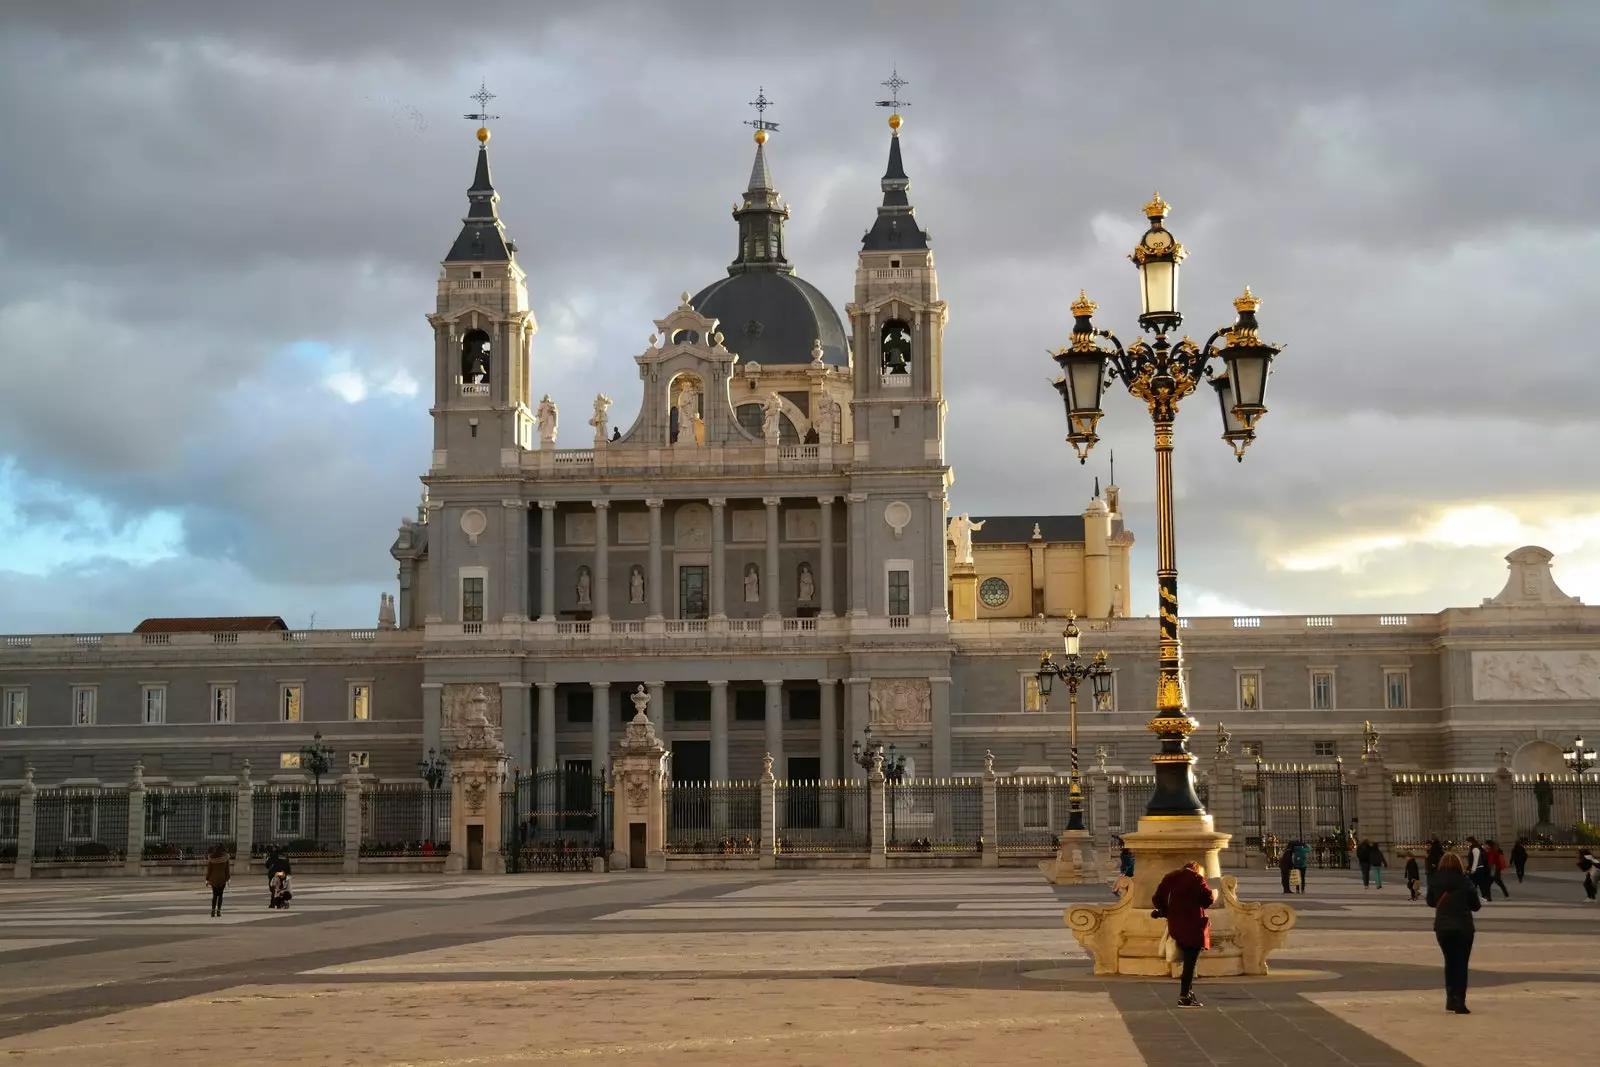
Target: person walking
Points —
{"points": [[1435, 854], [1519, 858], [1497, 868], [1286, 864], [1375, 857], [1477, 866], [277, 864], [1453, 900], [1364, 860], [218, 871], [1413, 876], [1182, 899], [1588, 865], [1124, 872], [1302, 862]]}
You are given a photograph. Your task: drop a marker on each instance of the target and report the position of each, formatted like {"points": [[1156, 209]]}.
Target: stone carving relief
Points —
{"points": [[633, 528], [638, 794], [473, 523], [900, 702], [898, 516], [1511, 676], [802, 524], [580, 528], [1530, 583], [749, 525], [692, 526], [464, 706]]}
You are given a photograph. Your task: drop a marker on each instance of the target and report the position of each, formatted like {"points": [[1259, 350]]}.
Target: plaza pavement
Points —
{"points": [[931, 967]]}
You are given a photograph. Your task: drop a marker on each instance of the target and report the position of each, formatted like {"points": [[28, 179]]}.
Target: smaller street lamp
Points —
{"points": [[1074, 671], [432, 767], [894, 768], [317, 758], [1580, 757]]}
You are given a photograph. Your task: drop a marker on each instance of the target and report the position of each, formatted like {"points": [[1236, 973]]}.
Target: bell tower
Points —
{"points": [[897, 326], [483, 333]]}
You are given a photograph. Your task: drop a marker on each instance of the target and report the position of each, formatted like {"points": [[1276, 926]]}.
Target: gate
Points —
{"points": [[558, 820], [1310, 804]]}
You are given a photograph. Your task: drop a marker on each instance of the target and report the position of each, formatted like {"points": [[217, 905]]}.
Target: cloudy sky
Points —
{"points": [[220, 226]]}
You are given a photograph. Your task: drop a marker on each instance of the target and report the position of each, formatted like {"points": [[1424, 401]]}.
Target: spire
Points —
{"points": [[482, 237], [761, 214], [895, 228]]}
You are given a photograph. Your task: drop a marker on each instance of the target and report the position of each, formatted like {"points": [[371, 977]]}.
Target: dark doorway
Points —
{"points": [[691, 761], [636, 846], [805, 768], [475, 848], [693, 583]]}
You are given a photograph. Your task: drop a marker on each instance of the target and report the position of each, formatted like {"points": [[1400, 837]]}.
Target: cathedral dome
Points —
{"points": [[772, 318]]}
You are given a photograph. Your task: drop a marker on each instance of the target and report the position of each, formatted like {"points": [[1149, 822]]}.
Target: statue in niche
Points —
{"points": [[960, 535], [636, 585], [771, 412], [602, 408], [549, 418], [806, 587], [822, 424], [688, 403], [583, 587], [752, 584]]}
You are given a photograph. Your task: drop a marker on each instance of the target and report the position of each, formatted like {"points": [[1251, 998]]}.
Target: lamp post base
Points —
{"points": [[1122, 938], [1074, 862]]}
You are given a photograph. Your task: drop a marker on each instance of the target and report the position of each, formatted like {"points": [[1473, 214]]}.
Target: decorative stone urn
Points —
{"points": [[639, 771]]}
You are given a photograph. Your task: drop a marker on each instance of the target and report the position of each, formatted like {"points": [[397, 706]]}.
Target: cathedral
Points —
{"points": [[767, 551]]}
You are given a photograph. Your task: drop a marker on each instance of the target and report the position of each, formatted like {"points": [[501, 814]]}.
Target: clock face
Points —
{"points": [[1158, 240]]}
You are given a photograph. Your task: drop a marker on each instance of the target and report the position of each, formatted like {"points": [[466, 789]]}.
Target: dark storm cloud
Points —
{"points": [[201, 187]]}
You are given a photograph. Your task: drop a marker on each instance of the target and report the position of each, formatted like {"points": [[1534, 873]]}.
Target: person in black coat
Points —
{"points": [[1519, 858], [1453, 899]]}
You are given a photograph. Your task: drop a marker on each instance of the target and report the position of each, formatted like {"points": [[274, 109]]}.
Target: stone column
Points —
{"points": [[653, 610], [445, 600], [1505, 817], [991, 813], [825, 561], [27, 826], [775, 723], [600, 728], [244, 824], [352, 821], [658, 708], [602, 563], [1098, 784], [133, 862], [547, 561], [514, 587], [516, 724], [856, 719], [857, 552], [545, 756], [939, 686], [772, 582], [719, 731], [1375, 803], [877, 817], [829, 727], [767, 850], [1224, 808], [719, 560]]}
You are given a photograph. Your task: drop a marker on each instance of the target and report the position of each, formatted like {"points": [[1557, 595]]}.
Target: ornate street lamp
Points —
{"points": [[317, 757], [1579, 757], [432, 768], [894, 768], [1162, 373], [1074, 672]]}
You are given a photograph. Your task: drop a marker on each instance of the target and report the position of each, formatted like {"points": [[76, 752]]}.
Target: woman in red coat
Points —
{"points": [[1182, 899]]}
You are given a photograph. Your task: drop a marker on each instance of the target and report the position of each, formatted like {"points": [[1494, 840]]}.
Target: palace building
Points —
{"points": [[765, 548]]}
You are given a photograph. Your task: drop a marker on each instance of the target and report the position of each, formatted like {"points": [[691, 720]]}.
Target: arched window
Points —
{"points": [[895, 345], [475, 356], [686, 337]]}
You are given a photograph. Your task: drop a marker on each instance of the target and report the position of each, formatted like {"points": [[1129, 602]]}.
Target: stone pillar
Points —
{"points": [[544, 756], [857, 715], [653, 608], [477, 772], [516, 719], [600, 728], [767, 851], [857, 552], [1375, 805], [638, 768], [514, 567], [27, 826], [963, 592], [774, 723], [602, 563], [942, 756], [719, 731], [244, 823], [547, 561], [719, 559], [1097, 786], [991, 813], [877, 817], [1504, 817], [773, 581], [828, 727], [444, 604], [432, 717], [658, 709], [133, 861], [352, 821], [825, 562], [1224, 807]]}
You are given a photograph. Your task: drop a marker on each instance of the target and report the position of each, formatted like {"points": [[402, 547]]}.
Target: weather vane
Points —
{"points": [[894, 85], [761, 103], [482, 96]]}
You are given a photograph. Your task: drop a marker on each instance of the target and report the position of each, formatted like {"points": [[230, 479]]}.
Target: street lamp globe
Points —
{"points": [[1249, 361], [1083, 377], [1234, 431], [1071, 638], [1046, 675], [1157, 256], [1100, 676]]}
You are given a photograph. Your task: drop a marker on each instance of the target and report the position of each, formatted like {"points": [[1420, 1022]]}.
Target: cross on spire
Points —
{"points": [[761, 103], [894, 85], [482, 96]]}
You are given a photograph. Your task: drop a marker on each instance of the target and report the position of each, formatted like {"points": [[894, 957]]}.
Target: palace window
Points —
{"points": [[1031, 699], [1252, 749], [155, 705], [749, 705], [900, 592], [691, 705], [805, 705], [16, 708], [83, 704], [361, 701], [288, 761], [1249, 690], [222, 703], [1322, 690], [1325, 749], [290, 703], [580, 707], [472, 599], [1396, 690], [994, 592]]}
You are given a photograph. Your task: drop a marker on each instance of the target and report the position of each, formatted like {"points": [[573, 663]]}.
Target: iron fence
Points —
{"points": [[1556, 809], [187, 823], [76, 825], [1450, 807], [1309, 803], [934, 815], [1127, 795], [823, 816], [298, 820], [1032, 812], [713, 817], [405, 819], [10, 826], [555, 820]]}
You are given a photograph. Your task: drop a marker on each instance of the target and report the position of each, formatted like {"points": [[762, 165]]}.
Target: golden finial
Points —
{"points": [[1083, 305], [761, 137], [895, 121], [1156, 208], [1246, 301], [483, 135]]}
